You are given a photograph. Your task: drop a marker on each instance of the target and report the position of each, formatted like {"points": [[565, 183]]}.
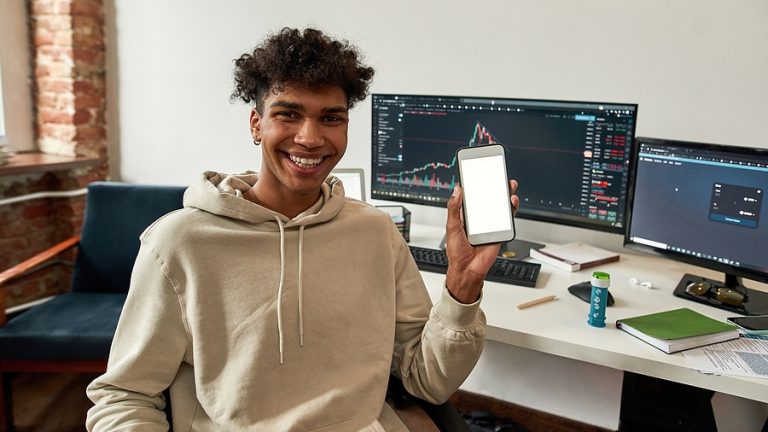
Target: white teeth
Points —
{"points": [[304, 162]]}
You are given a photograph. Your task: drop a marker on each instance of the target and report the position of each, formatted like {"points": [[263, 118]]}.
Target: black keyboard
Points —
{"points": [[503, 270]]}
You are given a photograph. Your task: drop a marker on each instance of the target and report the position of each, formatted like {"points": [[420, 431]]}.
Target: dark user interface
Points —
{"points": [[736, 204], [703, 203], [571, 159]]}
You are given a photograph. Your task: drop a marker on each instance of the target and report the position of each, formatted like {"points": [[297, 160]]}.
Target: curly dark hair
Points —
{"points": [[308, 59]]}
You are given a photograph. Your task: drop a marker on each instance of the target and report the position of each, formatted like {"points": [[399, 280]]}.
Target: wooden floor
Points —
{"points": [[57, 403], [525, 419], [50, 402]]}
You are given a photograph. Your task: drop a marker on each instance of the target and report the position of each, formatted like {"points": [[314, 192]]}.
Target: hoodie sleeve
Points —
{"points": [[147, 350], [435, 350]]}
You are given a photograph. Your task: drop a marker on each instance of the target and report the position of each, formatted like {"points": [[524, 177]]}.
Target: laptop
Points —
{"points": [[354, 181]]}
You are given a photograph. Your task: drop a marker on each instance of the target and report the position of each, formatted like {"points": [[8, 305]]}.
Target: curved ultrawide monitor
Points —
{"points": [[701, 203], [570, 158]]}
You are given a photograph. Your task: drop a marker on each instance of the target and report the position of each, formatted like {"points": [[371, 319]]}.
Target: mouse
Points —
{"points": [[583, 290]]}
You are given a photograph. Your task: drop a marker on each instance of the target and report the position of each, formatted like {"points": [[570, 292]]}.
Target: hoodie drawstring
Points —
{"points": [[301, 293], [280, 287]]}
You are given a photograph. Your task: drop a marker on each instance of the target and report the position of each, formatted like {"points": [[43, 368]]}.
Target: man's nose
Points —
{"points": [[310, 134]]}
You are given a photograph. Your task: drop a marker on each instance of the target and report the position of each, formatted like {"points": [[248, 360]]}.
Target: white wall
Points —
{"points": [[697, 68]]}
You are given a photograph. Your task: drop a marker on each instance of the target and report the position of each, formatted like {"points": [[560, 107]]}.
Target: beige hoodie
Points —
{"points": [[258, 322]]}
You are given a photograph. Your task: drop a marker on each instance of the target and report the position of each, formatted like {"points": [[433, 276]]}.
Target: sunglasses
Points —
{"points": [[725, 295]]}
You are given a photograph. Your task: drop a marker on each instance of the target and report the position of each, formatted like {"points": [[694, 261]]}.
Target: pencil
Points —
{"points": [[535, 302]]}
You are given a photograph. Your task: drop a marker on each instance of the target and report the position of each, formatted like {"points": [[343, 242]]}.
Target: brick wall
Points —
{"points": [[68, 37], [31, 226], [70, 101]]}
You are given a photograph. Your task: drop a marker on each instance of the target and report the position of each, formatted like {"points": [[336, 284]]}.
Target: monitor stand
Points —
{"points": [[518, 249], [755, 304], [515, 250]]}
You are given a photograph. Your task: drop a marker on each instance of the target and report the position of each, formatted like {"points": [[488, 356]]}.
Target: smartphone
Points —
{"points": [[755, 325], [488, 216]]}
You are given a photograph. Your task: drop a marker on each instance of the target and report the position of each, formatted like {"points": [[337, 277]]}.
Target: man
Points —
{"points": [[271, 302]]}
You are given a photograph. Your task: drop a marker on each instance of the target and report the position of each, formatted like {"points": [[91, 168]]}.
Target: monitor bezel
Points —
{"points": [[528, 216], [678, 256]]}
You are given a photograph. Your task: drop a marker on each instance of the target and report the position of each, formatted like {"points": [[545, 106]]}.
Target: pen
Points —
{"points": [[535, 302]]}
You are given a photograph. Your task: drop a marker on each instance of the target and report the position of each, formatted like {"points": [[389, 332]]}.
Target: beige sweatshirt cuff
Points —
{"points": [[456, 315]]}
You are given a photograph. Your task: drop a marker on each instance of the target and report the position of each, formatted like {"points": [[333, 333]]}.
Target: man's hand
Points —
{"points": [[467, 264]]}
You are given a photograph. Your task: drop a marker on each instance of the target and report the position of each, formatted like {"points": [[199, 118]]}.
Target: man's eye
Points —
{"points": [[333, 118], [287, 114]]}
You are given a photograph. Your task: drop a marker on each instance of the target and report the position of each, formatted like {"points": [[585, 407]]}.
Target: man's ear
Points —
{"points": [[255, 122]]}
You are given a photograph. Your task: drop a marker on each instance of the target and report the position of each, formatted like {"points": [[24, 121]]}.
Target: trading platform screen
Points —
{"points": [[571, 159], [703, 201]]}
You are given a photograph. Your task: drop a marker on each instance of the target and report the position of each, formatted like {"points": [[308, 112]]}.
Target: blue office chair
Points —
{"points": [[73, 332]]}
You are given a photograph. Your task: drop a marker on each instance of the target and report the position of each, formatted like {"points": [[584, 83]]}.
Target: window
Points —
{"points": [[16, 125]]}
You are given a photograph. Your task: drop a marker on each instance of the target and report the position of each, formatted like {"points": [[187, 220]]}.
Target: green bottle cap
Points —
{"points": [[601, 279]]}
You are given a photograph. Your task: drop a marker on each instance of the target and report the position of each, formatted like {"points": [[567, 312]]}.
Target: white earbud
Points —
{"points": [[646, 284]]}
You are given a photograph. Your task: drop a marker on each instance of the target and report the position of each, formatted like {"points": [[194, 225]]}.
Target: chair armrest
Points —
{"points": [[30, 263]]}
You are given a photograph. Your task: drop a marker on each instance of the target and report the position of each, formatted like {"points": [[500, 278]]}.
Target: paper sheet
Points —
{"points": [[745, 356]]}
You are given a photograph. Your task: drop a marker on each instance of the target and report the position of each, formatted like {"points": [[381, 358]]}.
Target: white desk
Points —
{"points": [[560, 328]]}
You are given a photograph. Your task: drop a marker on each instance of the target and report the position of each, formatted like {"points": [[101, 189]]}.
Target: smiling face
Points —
{"points": [[303, 134]]}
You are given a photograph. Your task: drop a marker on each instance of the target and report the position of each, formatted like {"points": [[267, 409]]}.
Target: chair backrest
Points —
{"points": [[115, 215]]}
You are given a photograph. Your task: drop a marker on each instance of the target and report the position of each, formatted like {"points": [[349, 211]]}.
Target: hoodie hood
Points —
{"points": [[222, 194]]}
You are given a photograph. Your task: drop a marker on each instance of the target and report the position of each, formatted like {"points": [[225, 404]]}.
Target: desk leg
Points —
{"points": [[655, 404]]}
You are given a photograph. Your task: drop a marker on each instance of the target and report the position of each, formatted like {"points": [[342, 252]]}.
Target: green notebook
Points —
{"points": [[678, 329]]}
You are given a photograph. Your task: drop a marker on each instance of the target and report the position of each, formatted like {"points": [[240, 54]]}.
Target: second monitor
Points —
{"points": [[570, 158]]}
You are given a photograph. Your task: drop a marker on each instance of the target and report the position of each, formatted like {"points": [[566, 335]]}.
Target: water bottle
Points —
{"points": [[599, 299]]}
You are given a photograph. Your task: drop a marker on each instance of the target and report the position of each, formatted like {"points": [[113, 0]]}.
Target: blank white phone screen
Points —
{"points": [[486, 195]]}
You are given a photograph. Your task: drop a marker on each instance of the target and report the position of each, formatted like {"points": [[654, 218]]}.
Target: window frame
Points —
{"points": [[16, 76], [3, 130]]}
